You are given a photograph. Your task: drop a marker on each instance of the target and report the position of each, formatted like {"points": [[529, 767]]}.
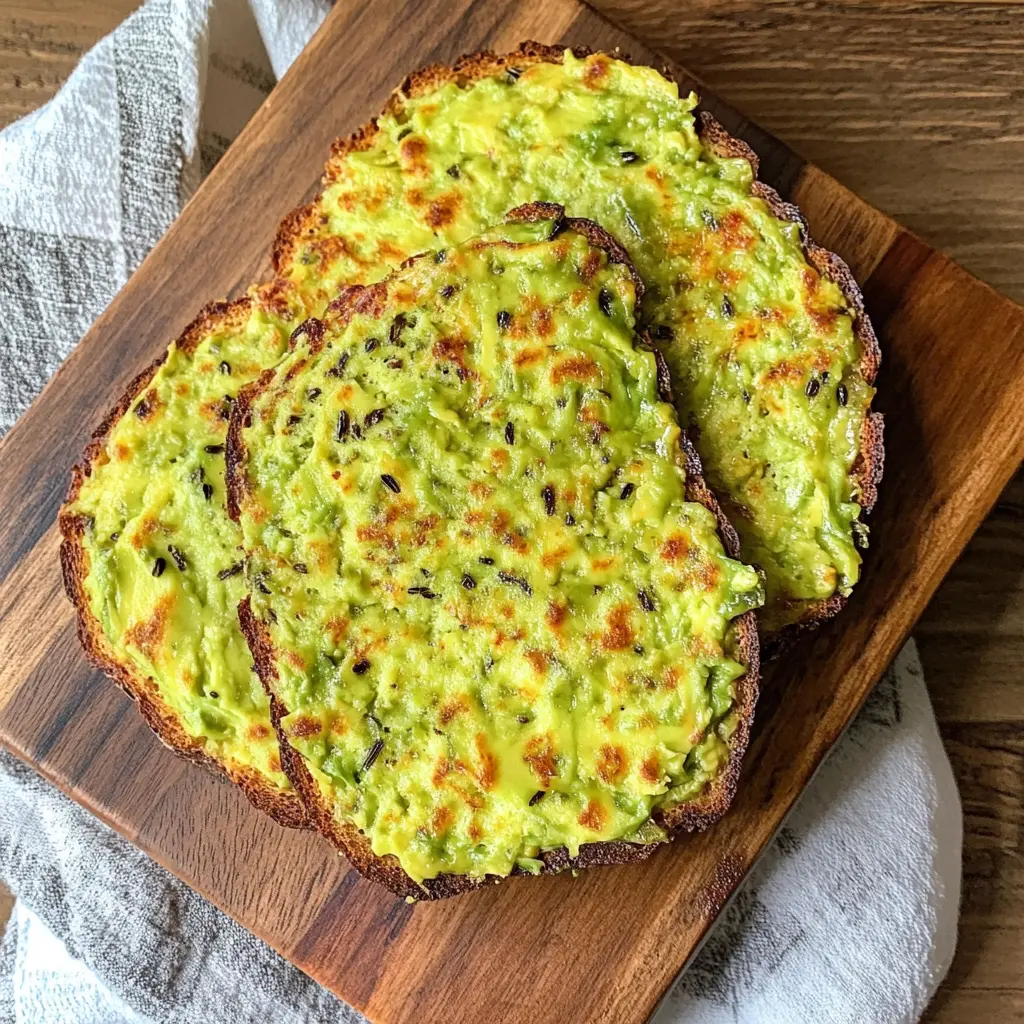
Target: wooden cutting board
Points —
{"points": [[603, 947]]}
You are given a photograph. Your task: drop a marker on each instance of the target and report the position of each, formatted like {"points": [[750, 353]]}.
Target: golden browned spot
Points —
{"points": [[296, 660], [443, 209], [297, 367], [594, 816], [825, 319], [619, 635], [675, 548], [453, 350], [148, 635], [453, 708], [784, 371], [388, 253], [555, 557], [650, 770], [672, 676], [603, 562], [728, 278], [475, 832], [556, 615], [527, 357], [581, 368], [611, 763], [488, 774], [540, 756], [735, 231], [596, 72], [442, 820], [122, 452], [499, 457], [422, 530], [441, 771], [149, 406], [274, 763], [538, 661], [812, 280], [515, 542], [536, 317], [591, 264], [413, 151], [337, 627], [302, 727], [257, 731], [147, 525], [480, 490]]}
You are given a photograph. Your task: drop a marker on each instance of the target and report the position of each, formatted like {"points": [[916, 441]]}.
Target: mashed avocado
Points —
{"points": [[498, 627], [761, 347], [164, 560]]}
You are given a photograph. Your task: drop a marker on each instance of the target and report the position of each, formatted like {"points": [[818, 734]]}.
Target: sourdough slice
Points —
{"points": [[152, 562], [765, 333], [495, 605]]}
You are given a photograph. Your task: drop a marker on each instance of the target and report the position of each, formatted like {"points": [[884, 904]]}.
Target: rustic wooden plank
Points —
{"points": [[400, 962]]}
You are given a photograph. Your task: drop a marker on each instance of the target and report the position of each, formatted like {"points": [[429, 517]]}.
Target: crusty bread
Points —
{"points": [[283, 807], [743, 640], [867, 471]]}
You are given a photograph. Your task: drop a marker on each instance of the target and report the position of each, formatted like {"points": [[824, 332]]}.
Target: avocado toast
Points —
{"points": [[498, 610], [152, 562], [771, 354]]}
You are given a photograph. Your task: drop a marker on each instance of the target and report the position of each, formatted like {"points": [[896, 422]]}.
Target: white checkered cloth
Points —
{"points": [[849, 917]]}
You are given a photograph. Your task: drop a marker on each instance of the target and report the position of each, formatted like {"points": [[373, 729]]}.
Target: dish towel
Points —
{"points": [[850, 915]]}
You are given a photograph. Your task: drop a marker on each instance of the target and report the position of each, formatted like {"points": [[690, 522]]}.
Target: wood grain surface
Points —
{"points": [[928, 131]]}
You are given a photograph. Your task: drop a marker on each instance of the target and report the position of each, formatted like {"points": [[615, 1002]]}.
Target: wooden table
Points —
{"points": [[917, 107]]}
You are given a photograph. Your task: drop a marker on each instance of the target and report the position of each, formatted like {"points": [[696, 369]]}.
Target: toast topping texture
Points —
{"points": [[153, 562], [771, 354], [495, 624]]}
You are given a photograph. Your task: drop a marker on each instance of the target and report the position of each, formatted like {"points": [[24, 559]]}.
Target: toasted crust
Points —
{"points": [[743, 640], [285, 808], [867, 471]]}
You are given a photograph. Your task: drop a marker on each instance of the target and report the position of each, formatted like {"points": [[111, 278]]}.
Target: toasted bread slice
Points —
{"points": [[495, 605], [151, 560], [765, 332]]}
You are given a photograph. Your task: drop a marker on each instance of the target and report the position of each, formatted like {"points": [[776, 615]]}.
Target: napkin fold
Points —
{"points": [[850, 916]]}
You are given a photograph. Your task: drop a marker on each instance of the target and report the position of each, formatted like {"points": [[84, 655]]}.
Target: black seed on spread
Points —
{"points": [[727, 310], [645, 601], [214, 694], [638, 649], [627, 490], [548, 494], [357, 430], [373, 418], [397, 326], [207, 491], [313, 394], [537, 797], [422, 592], [514, 74], [179, 558], [395, 364], [361, 667], [633, 226], [746, 396], [485, 560], [390, 482], [709, 218], [824, 376], [371, 344], [841, 395], [570, 519], [338, 370], [292, 420], [556, 229], [604, 300], [440, 256], [261, 586], [426, 572], [504, 319], [225, 367], [158, 566], [300, 567], [467, 581], [523, 585], [447, 291], [342, 428], [813, 387], [662, 332], [214, 449], [629, 157], [404, 133], [510, 433], [453, 171], [523, 719], [373, 754], [231, 570]]}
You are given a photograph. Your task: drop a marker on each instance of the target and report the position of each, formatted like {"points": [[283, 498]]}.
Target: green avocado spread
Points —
{"points": [[497, 625], [164, 562], [761, 347]]}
